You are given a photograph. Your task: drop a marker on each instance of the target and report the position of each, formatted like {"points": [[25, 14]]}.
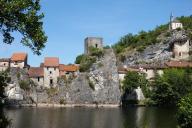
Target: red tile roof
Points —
{"points": [[179, 64], [122, 70], [68, 68], [19, 57], [36, 72], [51, 62]]}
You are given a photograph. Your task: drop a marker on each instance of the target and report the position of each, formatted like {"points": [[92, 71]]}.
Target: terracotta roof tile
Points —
{"points": [[19, 57], [36, 72], [179, 64], [51, 62], [68, 68]]}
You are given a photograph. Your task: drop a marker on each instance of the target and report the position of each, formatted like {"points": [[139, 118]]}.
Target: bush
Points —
{"points": [[91, 85], [184, 115], [62, 101], [79, 59], [133, 80], [52, 91], [97, 52], [25, 85], [86, 63], [172, 86]]}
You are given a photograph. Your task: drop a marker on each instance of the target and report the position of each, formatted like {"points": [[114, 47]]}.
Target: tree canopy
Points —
{"points": [[23, 16]]}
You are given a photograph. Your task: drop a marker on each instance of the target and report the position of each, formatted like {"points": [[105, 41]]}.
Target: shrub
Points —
{"points": [[96, 52], [133, 80], [86, 63], [184, 115], [52, 91], [62, 101], [172, 86], [18, 75], [25, 85], [79, 58], [91, 85]]}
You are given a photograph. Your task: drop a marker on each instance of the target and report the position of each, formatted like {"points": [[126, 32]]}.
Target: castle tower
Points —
{"points": [[95, 42]]}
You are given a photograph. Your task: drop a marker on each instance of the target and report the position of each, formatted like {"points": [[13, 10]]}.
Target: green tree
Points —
{"points": [[23, 16], [79, 58], [4, 79], [172, 86], [133, 80], [184, 115]]}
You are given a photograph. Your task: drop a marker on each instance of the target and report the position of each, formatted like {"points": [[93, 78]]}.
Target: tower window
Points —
{"points": [[51, 81], [179, 53]]}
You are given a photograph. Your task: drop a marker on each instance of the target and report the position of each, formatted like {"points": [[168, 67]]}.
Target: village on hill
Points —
{"points": [[51, 70]]}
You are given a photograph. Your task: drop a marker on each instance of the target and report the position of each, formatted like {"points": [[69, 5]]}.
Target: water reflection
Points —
{"points": [[92, 118]]}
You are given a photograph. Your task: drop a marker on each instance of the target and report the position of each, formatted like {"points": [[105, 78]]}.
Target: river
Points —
{"points": [[131, 117]]}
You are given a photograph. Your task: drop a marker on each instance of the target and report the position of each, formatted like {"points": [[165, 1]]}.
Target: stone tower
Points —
{"points": [[96, 42]]}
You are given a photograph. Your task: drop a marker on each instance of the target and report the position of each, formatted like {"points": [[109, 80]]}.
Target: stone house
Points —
{"points": [[180, 48], [95, 42], [19, 60], [37, 75], [51, 71], [66, 70], [152, 70], [4, 64]]}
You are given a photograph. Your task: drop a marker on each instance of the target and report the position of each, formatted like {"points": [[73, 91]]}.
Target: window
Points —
{"points": [[51, 81], [179, 53], [54, 68], [4, 64], [96, 45], [50, 72], [47, 68], [38, 79]]}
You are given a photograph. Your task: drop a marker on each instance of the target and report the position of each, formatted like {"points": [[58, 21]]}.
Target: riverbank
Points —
{"points": [[44, 105]]}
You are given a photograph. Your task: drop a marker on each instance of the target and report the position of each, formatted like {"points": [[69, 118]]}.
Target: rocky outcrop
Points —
{"points": [[157, 53], [98, 86]]}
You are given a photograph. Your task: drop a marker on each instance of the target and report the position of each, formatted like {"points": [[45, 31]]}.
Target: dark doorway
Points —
{"points": [[96, 45], [51, 81]]}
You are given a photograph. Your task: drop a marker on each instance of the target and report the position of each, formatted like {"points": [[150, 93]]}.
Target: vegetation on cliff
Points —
{"points": [[143, 39], [86, 61]]}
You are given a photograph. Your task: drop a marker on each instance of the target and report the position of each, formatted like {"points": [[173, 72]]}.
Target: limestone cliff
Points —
{"points": [[98, 86]]}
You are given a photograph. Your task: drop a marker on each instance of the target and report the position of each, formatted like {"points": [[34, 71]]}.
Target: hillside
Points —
{"points": [[147, 47]]}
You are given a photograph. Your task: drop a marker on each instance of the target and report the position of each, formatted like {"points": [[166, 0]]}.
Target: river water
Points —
{"points": [[131, 117]]}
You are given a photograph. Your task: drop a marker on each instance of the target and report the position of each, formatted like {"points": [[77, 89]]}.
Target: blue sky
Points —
{"points": [[68, 22]]}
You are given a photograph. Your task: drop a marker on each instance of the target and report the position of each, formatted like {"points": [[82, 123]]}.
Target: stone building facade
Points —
{"points": [[4, 64], [51, 71], [95, 42], [19, 60], [37, 75]]}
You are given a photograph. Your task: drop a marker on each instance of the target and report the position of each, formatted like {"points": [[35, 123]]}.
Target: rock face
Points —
{"points": [[157, 53], [99, 86]]}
